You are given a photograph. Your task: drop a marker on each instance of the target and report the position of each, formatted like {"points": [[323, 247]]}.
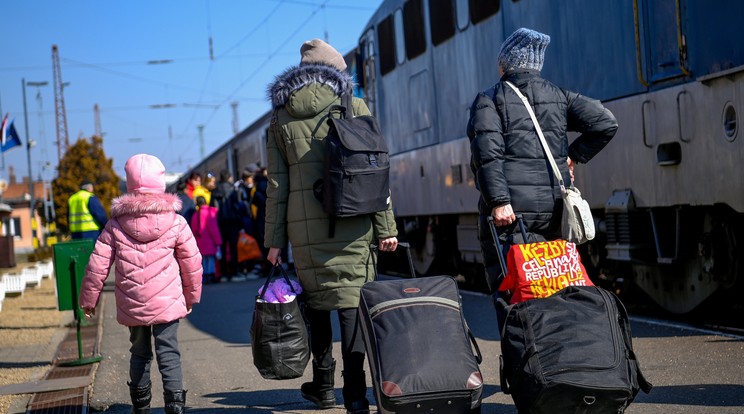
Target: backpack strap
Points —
{"points": [[556, 170], [346, 103], [347, 112]]}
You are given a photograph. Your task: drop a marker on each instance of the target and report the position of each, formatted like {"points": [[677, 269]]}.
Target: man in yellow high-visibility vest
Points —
{"points": [[86, 215]]}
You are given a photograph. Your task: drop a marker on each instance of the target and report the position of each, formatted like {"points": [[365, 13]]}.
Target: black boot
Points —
{"points": [[320, 390], [355, 392], [175, 401], [141, 397]]}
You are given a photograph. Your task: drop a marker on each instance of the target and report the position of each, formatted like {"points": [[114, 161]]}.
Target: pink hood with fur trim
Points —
{"points": [[158, 265]]}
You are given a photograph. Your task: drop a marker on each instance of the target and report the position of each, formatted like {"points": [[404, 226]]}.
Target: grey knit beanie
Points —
{"points": [[318, 51], [524, 49]]}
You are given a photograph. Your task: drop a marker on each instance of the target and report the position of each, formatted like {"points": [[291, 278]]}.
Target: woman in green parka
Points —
{"points": [[331, 270]]}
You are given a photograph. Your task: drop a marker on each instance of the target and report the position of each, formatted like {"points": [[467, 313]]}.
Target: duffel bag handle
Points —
{"points": [[502, 377], [265, 286], [478, 355]]}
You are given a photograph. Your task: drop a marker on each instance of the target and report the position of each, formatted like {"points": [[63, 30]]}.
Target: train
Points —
{"points": [[667, 193]]}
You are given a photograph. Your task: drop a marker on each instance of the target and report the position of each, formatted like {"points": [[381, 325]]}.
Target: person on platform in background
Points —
{"points": [[188, 207], [509, 164], [205, 190], [192, 183], [158, 279], [207, 234], [331, 270], [86, 216], [240, 200], [258, 211], [226, 221]]}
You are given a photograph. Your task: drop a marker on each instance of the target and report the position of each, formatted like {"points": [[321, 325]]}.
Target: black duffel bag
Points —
{"points": [[279, 338], [569, 353]]}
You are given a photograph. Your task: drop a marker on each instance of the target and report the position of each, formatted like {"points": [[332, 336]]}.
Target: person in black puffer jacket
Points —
{"points": [[510, 166], [227, 223]]}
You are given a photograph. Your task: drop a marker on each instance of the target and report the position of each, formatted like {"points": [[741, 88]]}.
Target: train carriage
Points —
{"points": [[667, 192]]}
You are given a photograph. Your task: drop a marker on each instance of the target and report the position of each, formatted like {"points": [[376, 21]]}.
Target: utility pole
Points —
{"points": [[97, 121], [2, 154], [59, 105], [42, 133], [28, 155], [235, 124], [201, 141]]}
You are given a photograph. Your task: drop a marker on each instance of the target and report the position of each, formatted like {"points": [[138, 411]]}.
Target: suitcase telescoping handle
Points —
{"points": [[497, 242], [407, 246]]}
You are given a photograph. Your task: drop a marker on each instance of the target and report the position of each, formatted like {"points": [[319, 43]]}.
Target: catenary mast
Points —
{"points": [[59, 105]]}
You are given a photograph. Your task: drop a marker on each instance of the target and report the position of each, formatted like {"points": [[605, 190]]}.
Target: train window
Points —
{"points": [[11, 226], [386, 42], [400, 47], [729, 121], [441, 20], [413, 21], [482, 9], [462, 14]]}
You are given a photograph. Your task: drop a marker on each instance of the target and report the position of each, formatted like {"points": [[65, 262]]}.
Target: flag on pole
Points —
{"points": [[8, 136]]}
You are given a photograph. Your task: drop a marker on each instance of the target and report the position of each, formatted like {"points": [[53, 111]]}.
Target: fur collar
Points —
{"points": [[296, 77], [130, 204]]}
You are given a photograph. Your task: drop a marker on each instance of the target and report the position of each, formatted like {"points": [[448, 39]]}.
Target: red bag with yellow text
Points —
{"points": [[248, 248], [538, 270]]}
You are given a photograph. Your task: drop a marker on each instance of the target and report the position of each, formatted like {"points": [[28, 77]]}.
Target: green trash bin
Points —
{"points": [[70, 259]]}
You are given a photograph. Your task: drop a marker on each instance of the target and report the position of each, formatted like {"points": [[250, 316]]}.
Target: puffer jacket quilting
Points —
{"points": [[331, 270], [508, 161], [157, 263]]}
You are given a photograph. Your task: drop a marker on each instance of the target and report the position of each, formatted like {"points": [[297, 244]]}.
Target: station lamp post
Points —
{"points": [[29, 144]]}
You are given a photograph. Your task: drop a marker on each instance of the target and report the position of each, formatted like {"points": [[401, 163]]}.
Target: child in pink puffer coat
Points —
{"points": [[208, 238], [158, 278]]}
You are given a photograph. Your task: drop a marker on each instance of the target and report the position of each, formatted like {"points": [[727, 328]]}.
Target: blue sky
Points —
{"points": [[106, 51]]}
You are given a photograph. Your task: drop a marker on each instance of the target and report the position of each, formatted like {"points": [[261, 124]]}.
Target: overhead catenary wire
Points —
{"points": [[259, 67], [135, 77], [255, 28], [209, 71], [130, 73]]}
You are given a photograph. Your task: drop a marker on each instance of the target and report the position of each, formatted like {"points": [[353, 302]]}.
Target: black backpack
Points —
{"points": [[221, 200], [356, 171], [570, 352]]}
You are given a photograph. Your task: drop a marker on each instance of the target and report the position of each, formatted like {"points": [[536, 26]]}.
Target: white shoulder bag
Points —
{"points": [[577, 225]]}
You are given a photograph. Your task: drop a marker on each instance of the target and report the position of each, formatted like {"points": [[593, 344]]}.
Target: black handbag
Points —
{"points": [[279, 338]]}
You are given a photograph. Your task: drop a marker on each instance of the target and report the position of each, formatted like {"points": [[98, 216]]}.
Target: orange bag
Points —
{"points": [[248, 248], [538, 270]]}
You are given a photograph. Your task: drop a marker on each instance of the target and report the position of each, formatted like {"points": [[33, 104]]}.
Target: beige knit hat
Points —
{"points": [[318, 51]]}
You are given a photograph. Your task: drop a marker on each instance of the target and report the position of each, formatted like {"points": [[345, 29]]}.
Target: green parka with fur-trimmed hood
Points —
{"points": [[331, 270]]}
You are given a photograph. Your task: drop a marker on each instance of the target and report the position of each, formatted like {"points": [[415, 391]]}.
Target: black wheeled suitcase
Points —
{"points": [[571, 352], [423, 358]]}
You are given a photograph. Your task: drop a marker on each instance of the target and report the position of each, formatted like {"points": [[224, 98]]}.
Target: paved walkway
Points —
{"points": [[31, 356], [58, 388], [65, 367]]}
